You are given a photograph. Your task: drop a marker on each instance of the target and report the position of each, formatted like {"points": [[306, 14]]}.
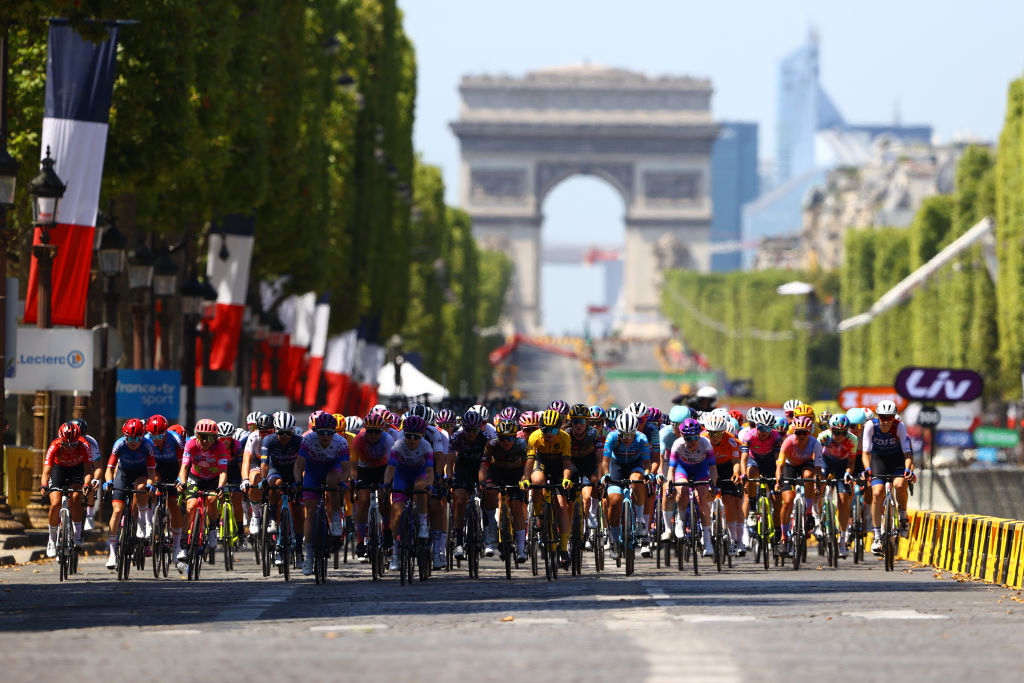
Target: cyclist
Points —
{"points": [[597, 422], [692, 457], [667, 436], [97, 469], [438, 512], [133, 457], [410, 466], [504, 464], [584, 441], [887, 451], [167, 452], [839, 452], [65, 465], [323, 458], [529, 422], [562, 408], [204, 467], [370, 451], [277, 456], [263, 426], [729, 471], [487, 428], [789, 408], [226, 434], [804, 410], [549, 458], [758, 454], [466, 450], [799, 456], [627, 455], [706, 398]]}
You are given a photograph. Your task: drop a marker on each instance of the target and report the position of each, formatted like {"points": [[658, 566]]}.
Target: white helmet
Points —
{"points": [[225, 430], [353, 423], [708, 392], [716, 422], [284, 421], [765, 418], [790, 405], [885, 408], [482, 411], [241, 433], [626, 422], [637, 409]]}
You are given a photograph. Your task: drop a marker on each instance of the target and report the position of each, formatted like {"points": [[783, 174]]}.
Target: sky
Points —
{"points": [[945, 63]]}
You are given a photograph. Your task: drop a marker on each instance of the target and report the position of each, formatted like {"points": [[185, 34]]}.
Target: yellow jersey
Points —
{"points": [[561, 447]]}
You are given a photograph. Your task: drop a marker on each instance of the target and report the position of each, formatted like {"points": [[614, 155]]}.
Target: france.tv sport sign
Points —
{"points": [[52, 360], [141, 393], [938, 384]]}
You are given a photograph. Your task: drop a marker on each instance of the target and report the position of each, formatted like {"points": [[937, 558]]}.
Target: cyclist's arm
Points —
{"points": [[299, 467]]}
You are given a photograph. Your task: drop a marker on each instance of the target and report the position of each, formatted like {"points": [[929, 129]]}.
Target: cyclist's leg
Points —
{"points": [[333, 480], [421, 505], [438, 511]]}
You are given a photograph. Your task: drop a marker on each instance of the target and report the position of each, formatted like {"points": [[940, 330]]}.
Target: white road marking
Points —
{"points": [[710, 618], [350, 627], [175, 632], [252, 608], [894, 614], [531, 621]]}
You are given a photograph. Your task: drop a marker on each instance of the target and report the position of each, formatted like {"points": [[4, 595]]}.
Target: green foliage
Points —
{"points": [[1009, 186]]}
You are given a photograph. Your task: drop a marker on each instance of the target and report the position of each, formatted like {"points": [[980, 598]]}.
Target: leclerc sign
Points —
{"points": [[52, 360], [938, 384], [869, 397]]}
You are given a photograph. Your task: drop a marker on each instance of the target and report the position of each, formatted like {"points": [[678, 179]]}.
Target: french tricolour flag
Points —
{"points": [[321, 317], [79, 88], [301, 338], [227, 267], [338, 362]]}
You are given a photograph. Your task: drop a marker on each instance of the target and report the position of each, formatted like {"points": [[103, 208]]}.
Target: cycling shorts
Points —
{"points": [[886, 465], [125, 479], [194, 484], [234, 472], [765, 464], [582, 467], [695, 472], [371, 475], [725, 483], [405, 478], [286, 475], [622, 470], [168, 470], [315, 475], [465, 474], [61, 476], [507, 477], [549, 466], [794, 471], [837, 468]]}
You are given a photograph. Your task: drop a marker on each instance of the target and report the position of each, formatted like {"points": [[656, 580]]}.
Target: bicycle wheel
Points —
{"points": [[196, 543], [469, 543], [798, 531], [598, 539], [576, 537], [266, 546], [695, 534], [552, 534], [505, 544], [856, 526], [409, 542], [628, 529], [319, 541], [659, 528], [888, 533], [62, 554], [449, 546], [545, 540], [373, 542], [533, 540], [156, 541], [227, 520], [285, 541], [124, 535]]}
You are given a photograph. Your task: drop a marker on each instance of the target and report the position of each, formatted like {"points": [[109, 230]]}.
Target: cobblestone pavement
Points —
{"points": [[658, 624]]}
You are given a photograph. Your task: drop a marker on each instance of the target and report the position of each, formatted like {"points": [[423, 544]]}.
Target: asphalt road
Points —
{"points": [[544, 377], [855, 622]]}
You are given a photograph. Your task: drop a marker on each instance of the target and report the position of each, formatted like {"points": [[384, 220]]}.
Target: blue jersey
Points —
{"points": [[170, 450], [651, 431], [132, 459], [278, 454], [666, 437], [637, 450]]}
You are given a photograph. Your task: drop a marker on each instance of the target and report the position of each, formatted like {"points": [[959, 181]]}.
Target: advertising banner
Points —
{"points": [[141, 393], [996, 437], [216, 403], [861, 397], [939, 384], [949, 439], [52, 360]]}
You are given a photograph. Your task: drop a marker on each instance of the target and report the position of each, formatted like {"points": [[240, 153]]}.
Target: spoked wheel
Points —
{"points": [[264, 542], [285, 539], [62, 553], [196, 544], [659, 528], [576, 541], [505, 544], [550, 562], [450, 541], [597, 538], [373, 542], [158, 543], [124, 540], [226, 542], [627, 536]]}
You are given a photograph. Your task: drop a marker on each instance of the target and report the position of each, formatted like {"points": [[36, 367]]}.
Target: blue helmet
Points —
{"points": [[782, 425], [839, 421], [856, 416], [678, 414]]}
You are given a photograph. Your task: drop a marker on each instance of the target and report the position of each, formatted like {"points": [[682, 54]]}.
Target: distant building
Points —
{"points": [[734, 182]]}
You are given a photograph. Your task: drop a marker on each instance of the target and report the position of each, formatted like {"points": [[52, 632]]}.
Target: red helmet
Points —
{"points": [[375, 421], [157, 424], [69, 432], [737, 415], [177, 429], [802, 423], [134, 428], [206, 426]]}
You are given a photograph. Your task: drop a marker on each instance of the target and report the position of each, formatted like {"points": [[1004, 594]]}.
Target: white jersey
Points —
{"points": [[94, 449], [438, 439]]}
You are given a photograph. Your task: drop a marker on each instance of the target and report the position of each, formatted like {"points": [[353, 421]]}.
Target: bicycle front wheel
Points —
{"points": [[628, 535]]}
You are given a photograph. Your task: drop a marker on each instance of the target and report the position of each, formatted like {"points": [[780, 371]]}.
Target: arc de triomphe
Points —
{"points": [[650, 138]]}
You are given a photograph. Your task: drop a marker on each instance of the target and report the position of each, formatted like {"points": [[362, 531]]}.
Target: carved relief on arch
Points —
{"points": [[548, 174], [493, 186]]}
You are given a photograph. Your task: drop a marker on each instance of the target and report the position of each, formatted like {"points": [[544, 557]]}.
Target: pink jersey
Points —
{"points": [[205, 463]]}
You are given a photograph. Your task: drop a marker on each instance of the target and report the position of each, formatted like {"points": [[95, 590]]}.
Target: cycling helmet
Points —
{"points": [[885, 408], [856, 416], [481, 410], [339, 419], [802, 422], [507, 427], [752, 415], [550, 418], [285, 421], [69, 432], [509, 413], [445, 417], [839, 421], [716, 422], [353, 424], [325, 421], [250, 419], [561, 407], [264, 422], [765, 418], [782, 425], [420, 410], [678, 414], [240, 433], [690, 428], [734, 426], [654, 415], [804, 410], [627, 423], [736, 415], [312, 417], [204, 427], [869, 414], [414, 424], [708, 392], [579, 410], [790, 405], [472, 419], [375, 421], [134, 427], [157, 424], [83, 426], [824, 416], [529, 419], [177, 429], [637, 409], [225, 430]]}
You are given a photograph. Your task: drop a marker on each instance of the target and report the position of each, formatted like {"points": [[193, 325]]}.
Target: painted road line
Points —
{"points": [[531, 621], [252, 608], [175, 632], [894, 614], [350, 627]]}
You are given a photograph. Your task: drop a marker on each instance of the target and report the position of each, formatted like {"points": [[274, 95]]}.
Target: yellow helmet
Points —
{"points": [[339, 420], [804, 410], [550, 418]]}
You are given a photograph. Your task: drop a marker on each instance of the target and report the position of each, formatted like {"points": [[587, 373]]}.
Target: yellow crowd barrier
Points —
{"points": [[986, 548]]}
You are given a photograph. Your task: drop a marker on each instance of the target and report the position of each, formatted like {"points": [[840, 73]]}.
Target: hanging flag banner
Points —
{"points": [[79, 89], [338, 361], [321, 318], [228, 261]]}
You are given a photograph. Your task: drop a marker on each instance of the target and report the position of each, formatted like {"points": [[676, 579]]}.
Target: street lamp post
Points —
{"points": [[191, 309], [112, 261], [165, 286], [47, 190], [140, 281], [8, 177]]}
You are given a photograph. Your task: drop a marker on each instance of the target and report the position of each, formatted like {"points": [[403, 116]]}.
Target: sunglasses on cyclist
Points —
{"points": [[801, 432], [718, 433], [836, 430], [628, 436], [133, 439], [285, 432], [506, 437], [471, 429], [886, 418], [409, 436], [549, 430], [762, 428], [324, 432], [373, 430], [158, 436], [203, 438], [579, 420]]}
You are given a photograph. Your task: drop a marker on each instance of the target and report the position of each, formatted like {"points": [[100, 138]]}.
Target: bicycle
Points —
{"points": [[798, 535], [599, 534], [323, 539], [160, 541], [720, 539], [664, 502], [858, 527], [410, 548], [506, 535], [765, 533], [67, 553], [890, 520], [691, 547], [228, 527], [577, 526], [630, 524], [277, 547], [197, 533], [126, 540], [546, 535], [375, 550], [472, 543], [830, 523]]}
